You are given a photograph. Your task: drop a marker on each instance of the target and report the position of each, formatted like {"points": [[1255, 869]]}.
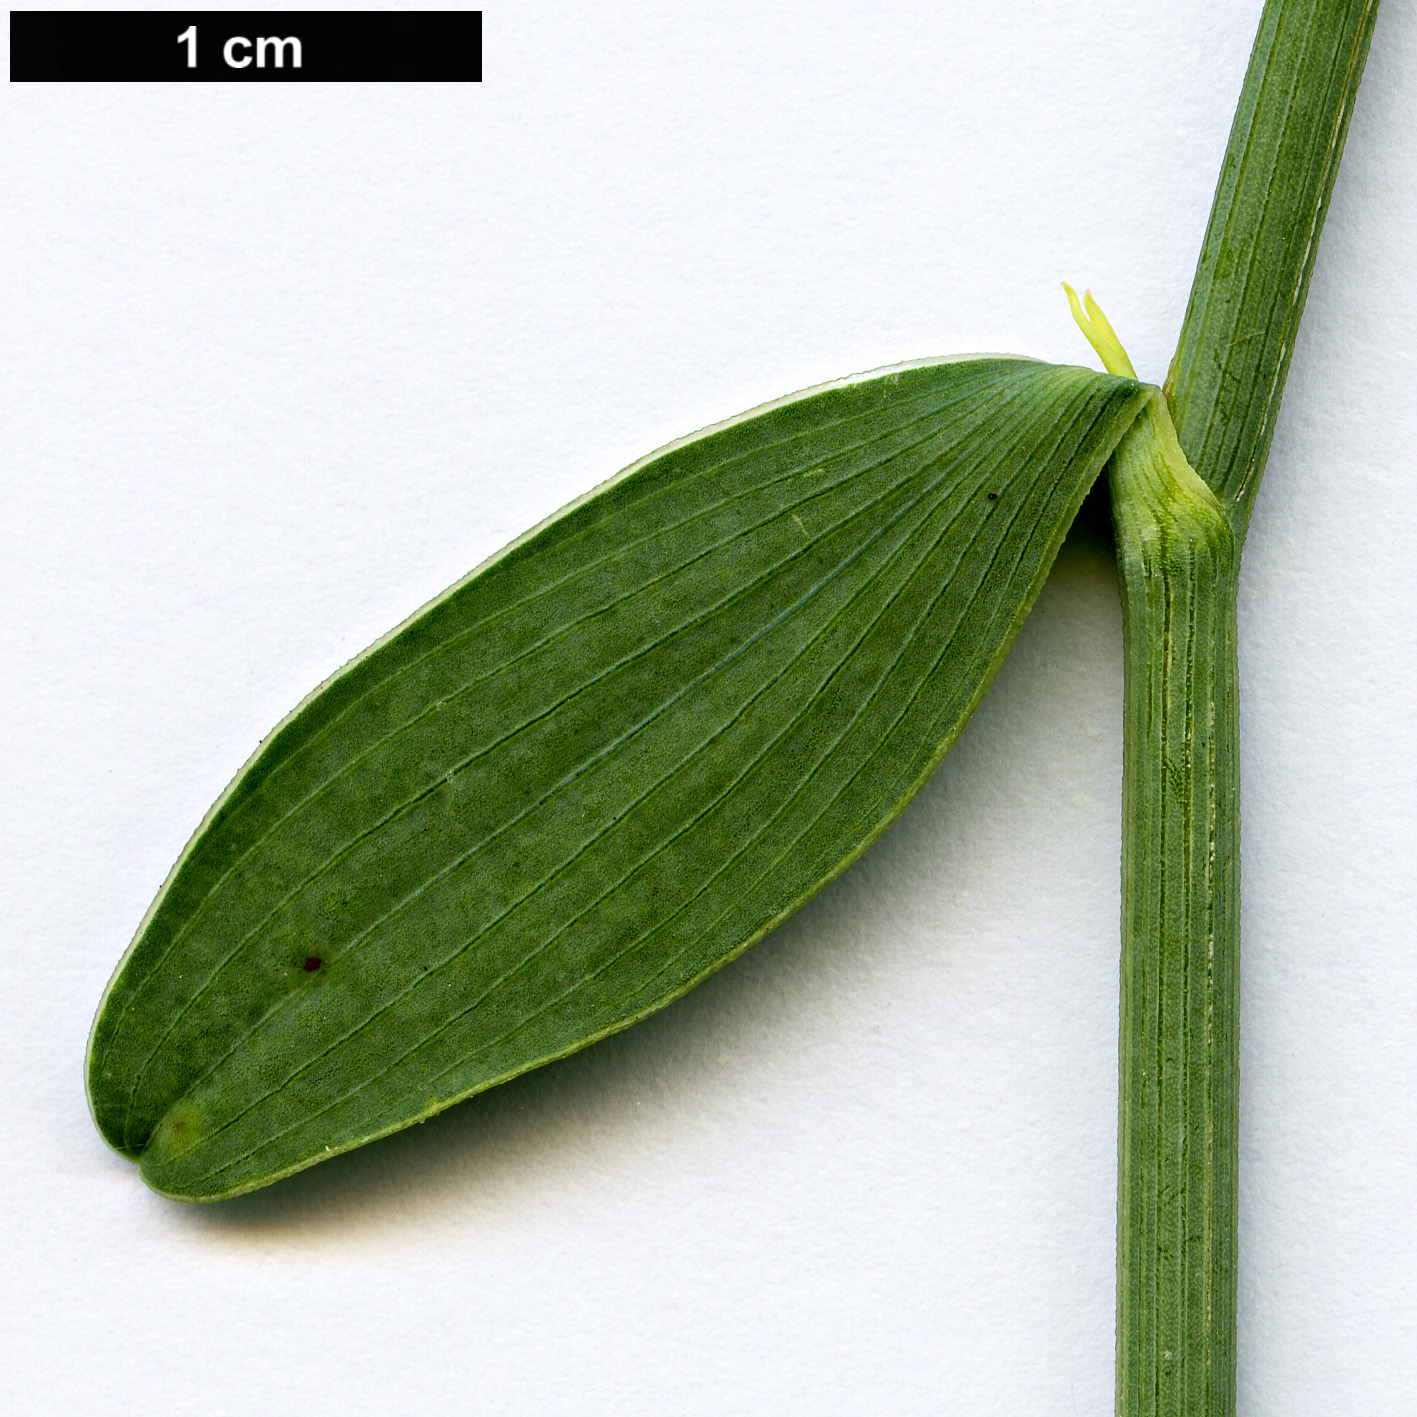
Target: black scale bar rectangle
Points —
{"points": [[246, 46]]}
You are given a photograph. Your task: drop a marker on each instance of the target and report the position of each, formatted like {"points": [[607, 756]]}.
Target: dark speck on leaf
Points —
{"points": [[312, 963], [993, 496]]}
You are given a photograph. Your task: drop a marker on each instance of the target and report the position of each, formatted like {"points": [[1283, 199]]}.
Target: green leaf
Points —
{"points": [[595, 770]]}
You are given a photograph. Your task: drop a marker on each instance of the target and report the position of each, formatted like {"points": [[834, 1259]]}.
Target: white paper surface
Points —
{"points": [[281, 362]]}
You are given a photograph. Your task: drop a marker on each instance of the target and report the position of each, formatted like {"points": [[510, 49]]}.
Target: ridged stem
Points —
{"points": [[1177, 1137], [1252, 278], [1178, 534]]}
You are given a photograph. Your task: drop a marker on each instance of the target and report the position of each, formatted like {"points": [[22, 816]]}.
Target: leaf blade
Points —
{"points": [[594, 770]]}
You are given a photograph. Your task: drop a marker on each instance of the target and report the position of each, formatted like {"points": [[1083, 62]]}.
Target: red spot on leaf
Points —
{"points": [[312, 963]]}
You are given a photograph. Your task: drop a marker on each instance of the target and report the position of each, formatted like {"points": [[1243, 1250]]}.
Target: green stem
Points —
{"points": [[1252, 277], [1177, 1136], [1179, 531]]}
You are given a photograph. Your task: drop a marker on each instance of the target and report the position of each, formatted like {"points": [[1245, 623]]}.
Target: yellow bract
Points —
{"points": [[1100, 334]]}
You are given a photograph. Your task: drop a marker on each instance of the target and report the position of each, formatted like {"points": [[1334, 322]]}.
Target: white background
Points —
{"points": [[281, 362]]}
